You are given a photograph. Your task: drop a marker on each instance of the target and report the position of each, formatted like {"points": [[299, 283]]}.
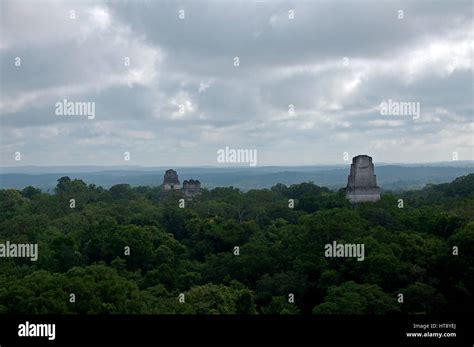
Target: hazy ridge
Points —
{"points": [[389, 177]]}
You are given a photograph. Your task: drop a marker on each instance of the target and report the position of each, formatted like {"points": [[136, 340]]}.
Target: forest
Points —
{"points": [[136, 250]]}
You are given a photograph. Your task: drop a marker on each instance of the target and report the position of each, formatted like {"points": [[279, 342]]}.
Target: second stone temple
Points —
{"points": [[362, 182]]}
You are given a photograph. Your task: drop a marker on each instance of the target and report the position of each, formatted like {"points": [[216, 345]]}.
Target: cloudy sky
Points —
{"points": [[182, 98]]}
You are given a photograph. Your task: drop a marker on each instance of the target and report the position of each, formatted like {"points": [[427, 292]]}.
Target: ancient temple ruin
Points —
{"points": [[191, 188], [362, 183], [171, 183]]}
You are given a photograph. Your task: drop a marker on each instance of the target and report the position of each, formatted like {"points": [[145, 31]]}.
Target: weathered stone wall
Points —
{"points": [[362, 182], [172, 186], [191, 188], [171, 181]]}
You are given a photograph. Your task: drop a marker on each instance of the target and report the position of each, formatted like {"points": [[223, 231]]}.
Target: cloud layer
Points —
{"points": [[308, 87]]}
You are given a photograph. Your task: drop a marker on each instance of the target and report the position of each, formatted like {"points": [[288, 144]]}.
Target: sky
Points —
{"points": [[166, 88]]}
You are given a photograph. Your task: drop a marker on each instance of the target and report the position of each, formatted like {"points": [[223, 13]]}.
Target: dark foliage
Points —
{"points": [[192, 251]]}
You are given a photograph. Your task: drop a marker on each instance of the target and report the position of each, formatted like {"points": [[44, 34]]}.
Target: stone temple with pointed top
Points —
{"points": [[362, 182]]}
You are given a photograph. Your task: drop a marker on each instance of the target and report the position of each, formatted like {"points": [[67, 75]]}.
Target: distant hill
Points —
{"points": [[389, 177]]}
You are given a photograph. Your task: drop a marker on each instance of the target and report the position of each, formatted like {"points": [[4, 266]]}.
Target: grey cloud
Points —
{"points": [[282, 62]]}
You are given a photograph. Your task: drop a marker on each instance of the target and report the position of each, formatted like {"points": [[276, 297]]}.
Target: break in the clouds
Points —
{"points": [[308, 87]]}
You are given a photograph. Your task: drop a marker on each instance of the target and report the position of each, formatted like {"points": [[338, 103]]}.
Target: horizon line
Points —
{"points": [[244, 165]]}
